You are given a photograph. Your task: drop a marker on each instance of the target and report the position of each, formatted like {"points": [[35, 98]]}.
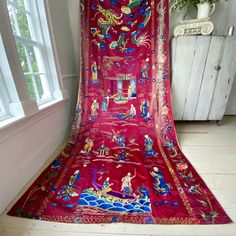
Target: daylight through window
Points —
{"points": [[25, 22]]}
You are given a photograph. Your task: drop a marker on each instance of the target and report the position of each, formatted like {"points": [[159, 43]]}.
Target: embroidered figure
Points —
{"points": [[131, 91], [148, 143], [126, 186], [122, 156], [94, 108], [106, 186], [159, 182], [88, 146], [144, 70], [105, 102], [68, 191], [103, 150], [118, 138], [74, 177], [131, 113], [144, 193], [144, 108], [94, 69], [71, 184]]}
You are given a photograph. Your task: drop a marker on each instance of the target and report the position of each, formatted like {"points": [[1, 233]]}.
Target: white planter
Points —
{"points": [[205, 10]]}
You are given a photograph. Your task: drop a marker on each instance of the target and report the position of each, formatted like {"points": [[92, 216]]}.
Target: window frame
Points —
{"points": [[36, 41], [18, 104]]}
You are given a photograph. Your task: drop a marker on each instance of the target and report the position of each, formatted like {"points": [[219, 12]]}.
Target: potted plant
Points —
{"points": [[205, 7]]}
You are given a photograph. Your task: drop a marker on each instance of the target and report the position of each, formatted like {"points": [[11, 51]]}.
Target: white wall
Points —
{"points": [[27, 144], [74, 14], [223, 17]]}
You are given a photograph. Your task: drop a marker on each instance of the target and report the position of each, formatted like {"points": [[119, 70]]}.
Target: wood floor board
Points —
{"points": [[220, 181], [207, 139]]}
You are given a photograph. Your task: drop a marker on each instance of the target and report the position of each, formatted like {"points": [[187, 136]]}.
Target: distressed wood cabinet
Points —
{"points": [[203, 70]]}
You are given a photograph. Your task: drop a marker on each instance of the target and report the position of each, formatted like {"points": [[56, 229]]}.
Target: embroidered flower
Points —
{"points": [[194, 189], [182, 166], [125, 10], [164, 110], [168, 127]]}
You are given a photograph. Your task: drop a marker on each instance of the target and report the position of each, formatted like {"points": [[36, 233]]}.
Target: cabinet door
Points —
{"points": [[209, 78], [226, 75], [203, 70], [183, 49], [195, 81]]}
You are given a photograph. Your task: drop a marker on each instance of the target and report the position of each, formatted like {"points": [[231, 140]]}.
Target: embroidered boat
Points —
{"points": [[112, 193], [119, 99]]}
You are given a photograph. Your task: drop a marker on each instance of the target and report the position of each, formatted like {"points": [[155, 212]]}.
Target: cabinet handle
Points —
{"points": [[218, 67]]}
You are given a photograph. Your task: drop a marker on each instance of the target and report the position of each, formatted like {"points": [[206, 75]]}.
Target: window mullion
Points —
{"points": [[34, 73], [27, 41]]}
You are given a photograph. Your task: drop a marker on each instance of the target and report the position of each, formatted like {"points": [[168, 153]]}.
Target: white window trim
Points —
{"points": [[37, 32], [49, 41], [12, 104], [20, 105]]}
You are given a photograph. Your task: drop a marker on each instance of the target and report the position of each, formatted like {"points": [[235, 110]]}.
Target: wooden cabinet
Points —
{"points": [[203, 70]]}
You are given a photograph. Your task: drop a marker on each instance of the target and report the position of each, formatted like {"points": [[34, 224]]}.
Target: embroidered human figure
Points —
{"points": [[104, 104], [88, 146], [144, 108], [159, 182], [103, 149], [71, 184], [106, 186], [94, 69], [144, 69], [67, 191], [126, 186], [94, 108], [132, 111], [148, 142], [74, 177], [122, 156], [118, 138], [131, 91]]}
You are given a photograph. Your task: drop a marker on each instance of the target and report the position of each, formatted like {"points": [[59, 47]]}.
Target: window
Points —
{"points": [[10, 107], [28, 76], [30, 43]]}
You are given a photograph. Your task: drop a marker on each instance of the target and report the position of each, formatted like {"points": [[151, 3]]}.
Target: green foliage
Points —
{"points": [[179, 4], [22, 49]]}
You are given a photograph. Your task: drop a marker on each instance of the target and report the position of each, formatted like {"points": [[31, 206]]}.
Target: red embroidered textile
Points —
{"points": [[123, 162]]}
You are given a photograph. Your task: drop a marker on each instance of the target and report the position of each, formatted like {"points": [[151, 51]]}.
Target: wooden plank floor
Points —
{"points": [[212, 151]]}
